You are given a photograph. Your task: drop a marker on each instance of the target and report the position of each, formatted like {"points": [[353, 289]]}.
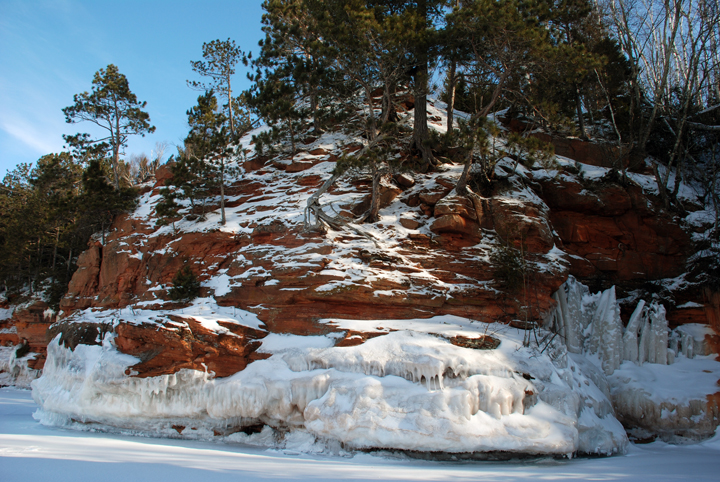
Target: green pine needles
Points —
{"points": [[186, 286]]}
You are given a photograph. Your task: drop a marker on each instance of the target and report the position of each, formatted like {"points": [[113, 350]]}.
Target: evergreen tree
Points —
{"points": [[99, 201], [425, 41], [220, 58], [186, 286], [167, 209], [47, 215], [450, 47], [293, 53], [208, 142], [16, 228], [291, 73], [112, 106], [194, 180]]}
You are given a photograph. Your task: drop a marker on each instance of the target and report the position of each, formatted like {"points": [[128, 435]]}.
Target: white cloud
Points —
{"points": [[31, 134]]}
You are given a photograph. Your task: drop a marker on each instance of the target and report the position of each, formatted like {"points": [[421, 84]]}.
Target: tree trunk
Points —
{"points": [[660, 89], [116, 165], [57, 240], [372, 215], [452, 82], [291, 129], [222, 191], [661, 186], [314, 108], [421, 134], [39, 261], [230, 108], [578, 108], [371, 125], [461, 186]]}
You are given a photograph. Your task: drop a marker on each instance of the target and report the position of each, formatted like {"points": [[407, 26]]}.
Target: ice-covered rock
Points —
{"points": [[690, 340], [406, 389], [14, 370], [673, 402]]}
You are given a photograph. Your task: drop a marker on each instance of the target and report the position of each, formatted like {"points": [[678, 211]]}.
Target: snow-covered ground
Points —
{"points": [[30, 451]]}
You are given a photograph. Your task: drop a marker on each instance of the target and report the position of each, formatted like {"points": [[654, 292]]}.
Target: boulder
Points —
{"points": [[522, 222]]}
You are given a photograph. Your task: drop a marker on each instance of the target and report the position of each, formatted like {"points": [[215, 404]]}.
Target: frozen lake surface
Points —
{"points": [[30, 451]]}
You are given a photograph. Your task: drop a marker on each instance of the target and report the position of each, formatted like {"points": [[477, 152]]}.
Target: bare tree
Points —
{"points": [[672, 48]]}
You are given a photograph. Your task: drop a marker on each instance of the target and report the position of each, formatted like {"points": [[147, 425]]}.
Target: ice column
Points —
{"points": [[630, 337], [659, 327], [607, 332], [570, 318], [593, 323]]}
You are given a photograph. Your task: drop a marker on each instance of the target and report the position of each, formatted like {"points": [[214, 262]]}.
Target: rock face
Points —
{"points": [[614, 232], [173, 344], [288, 276]]}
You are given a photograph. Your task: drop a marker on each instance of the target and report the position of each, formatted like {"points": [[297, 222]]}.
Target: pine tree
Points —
{"points": [[293, 52], [112, 106], [193, 178], [99, 201], [186, 286], [167, 209], [16, 228], [220, 58], [208, 142], [424, 41], [291, 72]]}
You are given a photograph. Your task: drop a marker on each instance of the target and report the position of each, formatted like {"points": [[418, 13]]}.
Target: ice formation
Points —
{"points": [[15, 371], [406, 389], [654, 377], [592, 323]]}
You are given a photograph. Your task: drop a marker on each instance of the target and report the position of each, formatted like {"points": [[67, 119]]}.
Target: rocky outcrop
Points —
{"points": [[28, 327], [612, 233], [23, 342], [185, 343]]}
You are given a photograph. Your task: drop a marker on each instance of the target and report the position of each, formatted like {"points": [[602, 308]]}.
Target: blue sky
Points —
{"points": [[50, 50]]}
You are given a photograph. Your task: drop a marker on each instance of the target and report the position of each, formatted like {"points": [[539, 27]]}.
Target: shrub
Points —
{"points": [[186, 286], [509, 266]]}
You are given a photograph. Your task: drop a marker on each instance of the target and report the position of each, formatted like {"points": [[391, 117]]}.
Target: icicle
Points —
{"points": [[607, 338], [674, 343], [643, 346], [630, 337], [577, 317], [567, 324], [659, 328], [687, 344], [558, 325]]}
